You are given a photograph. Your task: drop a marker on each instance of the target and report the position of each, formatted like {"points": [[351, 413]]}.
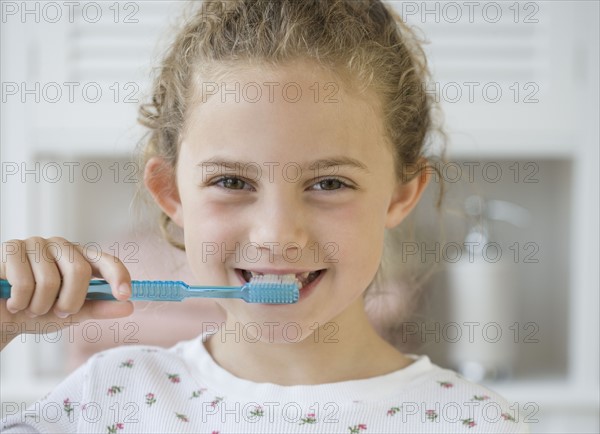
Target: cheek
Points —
{"points": [[355, 236], [210, 232], [205, 218]]}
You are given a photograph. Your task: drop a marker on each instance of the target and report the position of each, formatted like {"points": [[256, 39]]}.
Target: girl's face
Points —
{"points": [[277, 183]]}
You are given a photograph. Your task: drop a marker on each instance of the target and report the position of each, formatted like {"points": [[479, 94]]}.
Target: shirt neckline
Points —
{"points": [[208, 373]]}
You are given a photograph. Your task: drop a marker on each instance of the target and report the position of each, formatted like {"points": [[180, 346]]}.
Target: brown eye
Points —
{"points": [[231, 183], [331, 184]]}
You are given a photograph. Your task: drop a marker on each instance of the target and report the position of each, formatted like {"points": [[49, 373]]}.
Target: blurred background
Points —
{"points": [[513, 301]]}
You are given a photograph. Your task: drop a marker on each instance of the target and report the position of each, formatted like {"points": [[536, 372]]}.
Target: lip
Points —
{"points": [[277, 271]]}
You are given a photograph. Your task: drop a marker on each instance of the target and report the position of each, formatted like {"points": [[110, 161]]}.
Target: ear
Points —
{"points": [[405, 197], [159, 178]]}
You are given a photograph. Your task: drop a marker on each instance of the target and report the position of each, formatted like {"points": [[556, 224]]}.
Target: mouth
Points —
{"points": [[304, 278]]}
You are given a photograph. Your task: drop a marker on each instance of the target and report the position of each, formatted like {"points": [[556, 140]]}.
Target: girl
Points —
{"points": [[286, 138]]}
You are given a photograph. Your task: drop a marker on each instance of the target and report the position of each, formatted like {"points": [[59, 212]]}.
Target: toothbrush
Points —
{"points": [[269, 289]]}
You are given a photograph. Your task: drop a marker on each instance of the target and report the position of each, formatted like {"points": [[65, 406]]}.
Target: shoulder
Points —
{"points": [[448, 383], [442, 396], [125, 380], [126, 373], [125, 365], [128, 356]]}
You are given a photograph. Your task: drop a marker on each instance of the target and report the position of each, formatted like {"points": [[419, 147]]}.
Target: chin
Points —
{"points": [[273, 332]]}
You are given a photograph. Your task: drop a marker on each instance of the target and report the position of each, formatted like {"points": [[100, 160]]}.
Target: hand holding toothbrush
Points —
{"points": [[49, 281], [36, 291]]}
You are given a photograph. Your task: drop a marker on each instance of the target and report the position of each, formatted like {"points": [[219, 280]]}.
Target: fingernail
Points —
{"points": [[30, 314], [11, 309], [61, 314], [124, 289]]}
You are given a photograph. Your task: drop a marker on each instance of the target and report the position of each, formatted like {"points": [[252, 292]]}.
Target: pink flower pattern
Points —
{"points": [[257, 411], [197, 393], [431, 415], [182, 417], [127, 363], [468, 422], [150, 398], [112, 429], [113, 390], [309, 418], [174, 378], [67, 406], [215, 401], [507, 416], [357, 428], [392, 411], [187, 407]]}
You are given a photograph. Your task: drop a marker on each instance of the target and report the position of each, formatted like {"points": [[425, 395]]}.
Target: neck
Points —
{"points": [[347, 346]]}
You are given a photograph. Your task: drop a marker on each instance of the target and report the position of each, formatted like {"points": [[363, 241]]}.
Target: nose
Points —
{"points": [[279, 225]]}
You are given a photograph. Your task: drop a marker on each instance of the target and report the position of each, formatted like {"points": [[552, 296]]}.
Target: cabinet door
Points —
{"points": [[506, 73]]}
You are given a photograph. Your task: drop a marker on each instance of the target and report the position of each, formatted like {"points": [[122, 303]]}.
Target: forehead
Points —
{"points": [[299, 105]]}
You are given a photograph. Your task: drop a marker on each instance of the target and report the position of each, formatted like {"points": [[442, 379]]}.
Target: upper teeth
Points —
{"points": [[303, 278]]}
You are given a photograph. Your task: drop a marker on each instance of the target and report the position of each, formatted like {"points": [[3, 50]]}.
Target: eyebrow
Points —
{"points": [[323, 163]]}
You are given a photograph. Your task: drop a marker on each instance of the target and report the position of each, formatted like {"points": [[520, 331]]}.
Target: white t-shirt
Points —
{"points": [[140, 389]]}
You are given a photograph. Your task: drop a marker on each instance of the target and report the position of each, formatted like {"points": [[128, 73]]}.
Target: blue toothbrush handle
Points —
{"points": [[151, 290], [4, 289], [161, 290]]}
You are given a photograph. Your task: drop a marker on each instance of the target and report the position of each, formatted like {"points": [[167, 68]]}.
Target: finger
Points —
{"points": [[42, 259], [111, 269], [76, 273], [17, 270]]}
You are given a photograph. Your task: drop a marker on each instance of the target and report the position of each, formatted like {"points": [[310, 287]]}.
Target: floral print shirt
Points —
{"points": [[139, 389]]}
